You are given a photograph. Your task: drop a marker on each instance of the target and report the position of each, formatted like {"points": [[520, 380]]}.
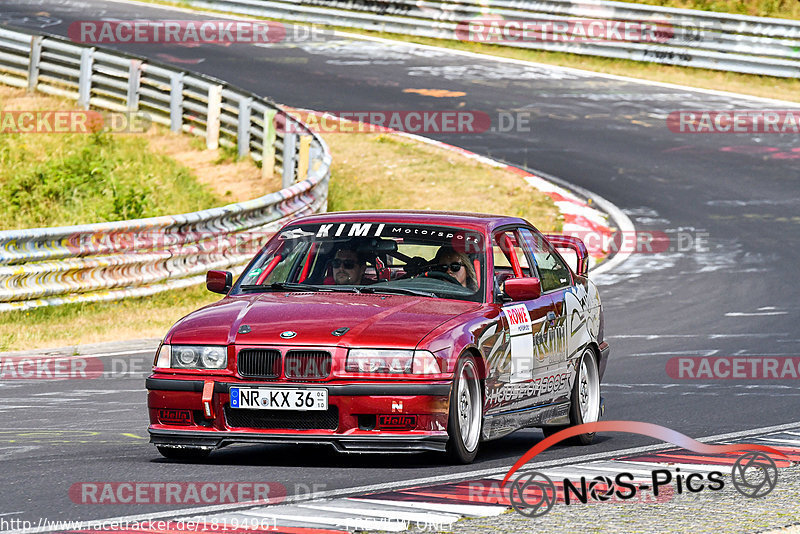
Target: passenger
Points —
{"points": [[348, 267], [456, 264]]}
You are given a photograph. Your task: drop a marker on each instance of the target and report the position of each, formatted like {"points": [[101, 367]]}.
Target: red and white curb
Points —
{"points": [[580, 219]]}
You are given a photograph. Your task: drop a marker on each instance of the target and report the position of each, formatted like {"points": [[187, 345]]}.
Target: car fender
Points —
{"points": [[458, 335]]}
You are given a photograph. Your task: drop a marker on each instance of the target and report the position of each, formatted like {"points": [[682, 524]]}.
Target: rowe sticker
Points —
{"points": [[521, 331]]}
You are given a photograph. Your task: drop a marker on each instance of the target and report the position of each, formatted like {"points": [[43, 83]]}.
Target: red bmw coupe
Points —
{"points": [[390, 331]]}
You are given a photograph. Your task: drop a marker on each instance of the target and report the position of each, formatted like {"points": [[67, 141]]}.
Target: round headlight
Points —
{"points": [[185, 356], [213, 357]]}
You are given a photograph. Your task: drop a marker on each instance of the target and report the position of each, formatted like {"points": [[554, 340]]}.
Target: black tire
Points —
{"points": [[183, 453], [550, 430], [465, 419], [584, 402]]}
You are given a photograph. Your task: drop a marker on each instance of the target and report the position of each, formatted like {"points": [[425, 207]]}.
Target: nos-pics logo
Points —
{"points": [[532, 493]]}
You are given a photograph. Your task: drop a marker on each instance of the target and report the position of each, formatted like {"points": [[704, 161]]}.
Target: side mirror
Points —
{"points": [[219, 281], [523, 288], [573, 247]]}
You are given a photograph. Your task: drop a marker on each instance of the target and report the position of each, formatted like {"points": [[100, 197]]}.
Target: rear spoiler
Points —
{"points": [[575, 245]]}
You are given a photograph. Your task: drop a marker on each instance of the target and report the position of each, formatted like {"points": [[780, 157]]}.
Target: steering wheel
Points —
{"points": [[439, 275]]}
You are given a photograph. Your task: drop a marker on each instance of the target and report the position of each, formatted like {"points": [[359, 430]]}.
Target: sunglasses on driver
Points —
{"points": [[444, 267], [336, 263]]}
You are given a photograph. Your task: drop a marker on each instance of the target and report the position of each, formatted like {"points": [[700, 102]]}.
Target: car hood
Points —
{"points": [[372, 320]]}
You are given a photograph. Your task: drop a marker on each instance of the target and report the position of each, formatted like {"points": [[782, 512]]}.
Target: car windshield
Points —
{"points": [[371, 257]]}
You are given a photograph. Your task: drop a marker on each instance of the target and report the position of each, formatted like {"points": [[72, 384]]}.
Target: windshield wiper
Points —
{"points": [[279, 286], [398, 291]]}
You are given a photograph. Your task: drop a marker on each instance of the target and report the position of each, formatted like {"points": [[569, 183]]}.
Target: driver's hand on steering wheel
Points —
{"points": [[441, 272]]}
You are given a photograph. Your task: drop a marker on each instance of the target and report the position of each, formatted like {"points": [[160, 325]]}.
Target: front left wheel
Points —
{"points": [[466, 412]]}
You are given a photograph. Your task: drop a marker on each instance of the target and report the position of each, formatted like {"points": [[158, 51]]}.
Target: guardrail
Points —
{"points": [[106, 261], [719, 41]]}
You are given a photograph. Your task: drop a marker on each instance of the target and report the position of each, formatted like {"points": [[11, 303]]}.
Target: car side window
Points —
{"points": [[508, 241], [504, 242], [553, 272]]}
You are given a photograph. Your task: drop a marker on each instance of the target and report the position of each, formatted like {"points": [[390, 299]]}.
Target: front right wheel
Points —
{"points": [[466, 412]]}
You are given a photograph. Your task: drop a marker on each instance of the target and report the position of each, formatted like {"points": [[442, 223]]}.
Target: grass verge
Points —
{"points": [[369, 171]]}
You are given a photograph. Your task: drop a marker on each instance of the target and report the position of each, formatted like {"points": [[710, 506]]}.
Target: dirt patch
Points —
{"points": [[232, 181]]}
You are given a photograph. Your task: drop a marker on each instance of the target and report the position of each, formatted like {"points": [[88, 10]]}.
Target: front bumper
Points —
{"points": [[346, 444], [351, 405]]}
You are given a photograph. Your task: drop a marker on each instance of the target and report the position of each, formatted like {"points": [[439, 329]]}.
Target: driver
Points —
{"points": [[456, 264], [348, 267]]}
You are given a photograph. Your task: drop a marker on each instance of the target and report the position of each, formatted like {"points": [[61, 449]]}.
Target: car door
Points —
{"points": [[557, 352], [518, 379]]}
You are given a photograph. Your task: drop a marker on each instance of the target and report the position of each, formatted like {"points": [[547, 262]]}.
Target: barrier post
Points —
{"points": [[85, 77], [33, 65], [213, 116], [302, 157], [243, 132], [134, 80], [268, 146], [176, 102], [289, 158]]}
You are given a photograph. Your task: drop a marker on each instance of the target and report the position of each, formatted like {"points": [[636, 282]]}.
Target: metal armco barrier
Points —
{"points": [[719, 41], [106, 261]]}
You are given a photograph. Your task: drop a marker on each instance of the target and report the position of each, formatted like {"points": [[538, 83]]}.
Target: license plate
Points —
{"points": [[279, 399]]}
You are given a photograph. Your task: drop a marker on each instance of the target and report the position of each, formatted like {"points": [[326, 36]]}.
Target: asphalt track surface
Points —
{"points": [[734, 295]]}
